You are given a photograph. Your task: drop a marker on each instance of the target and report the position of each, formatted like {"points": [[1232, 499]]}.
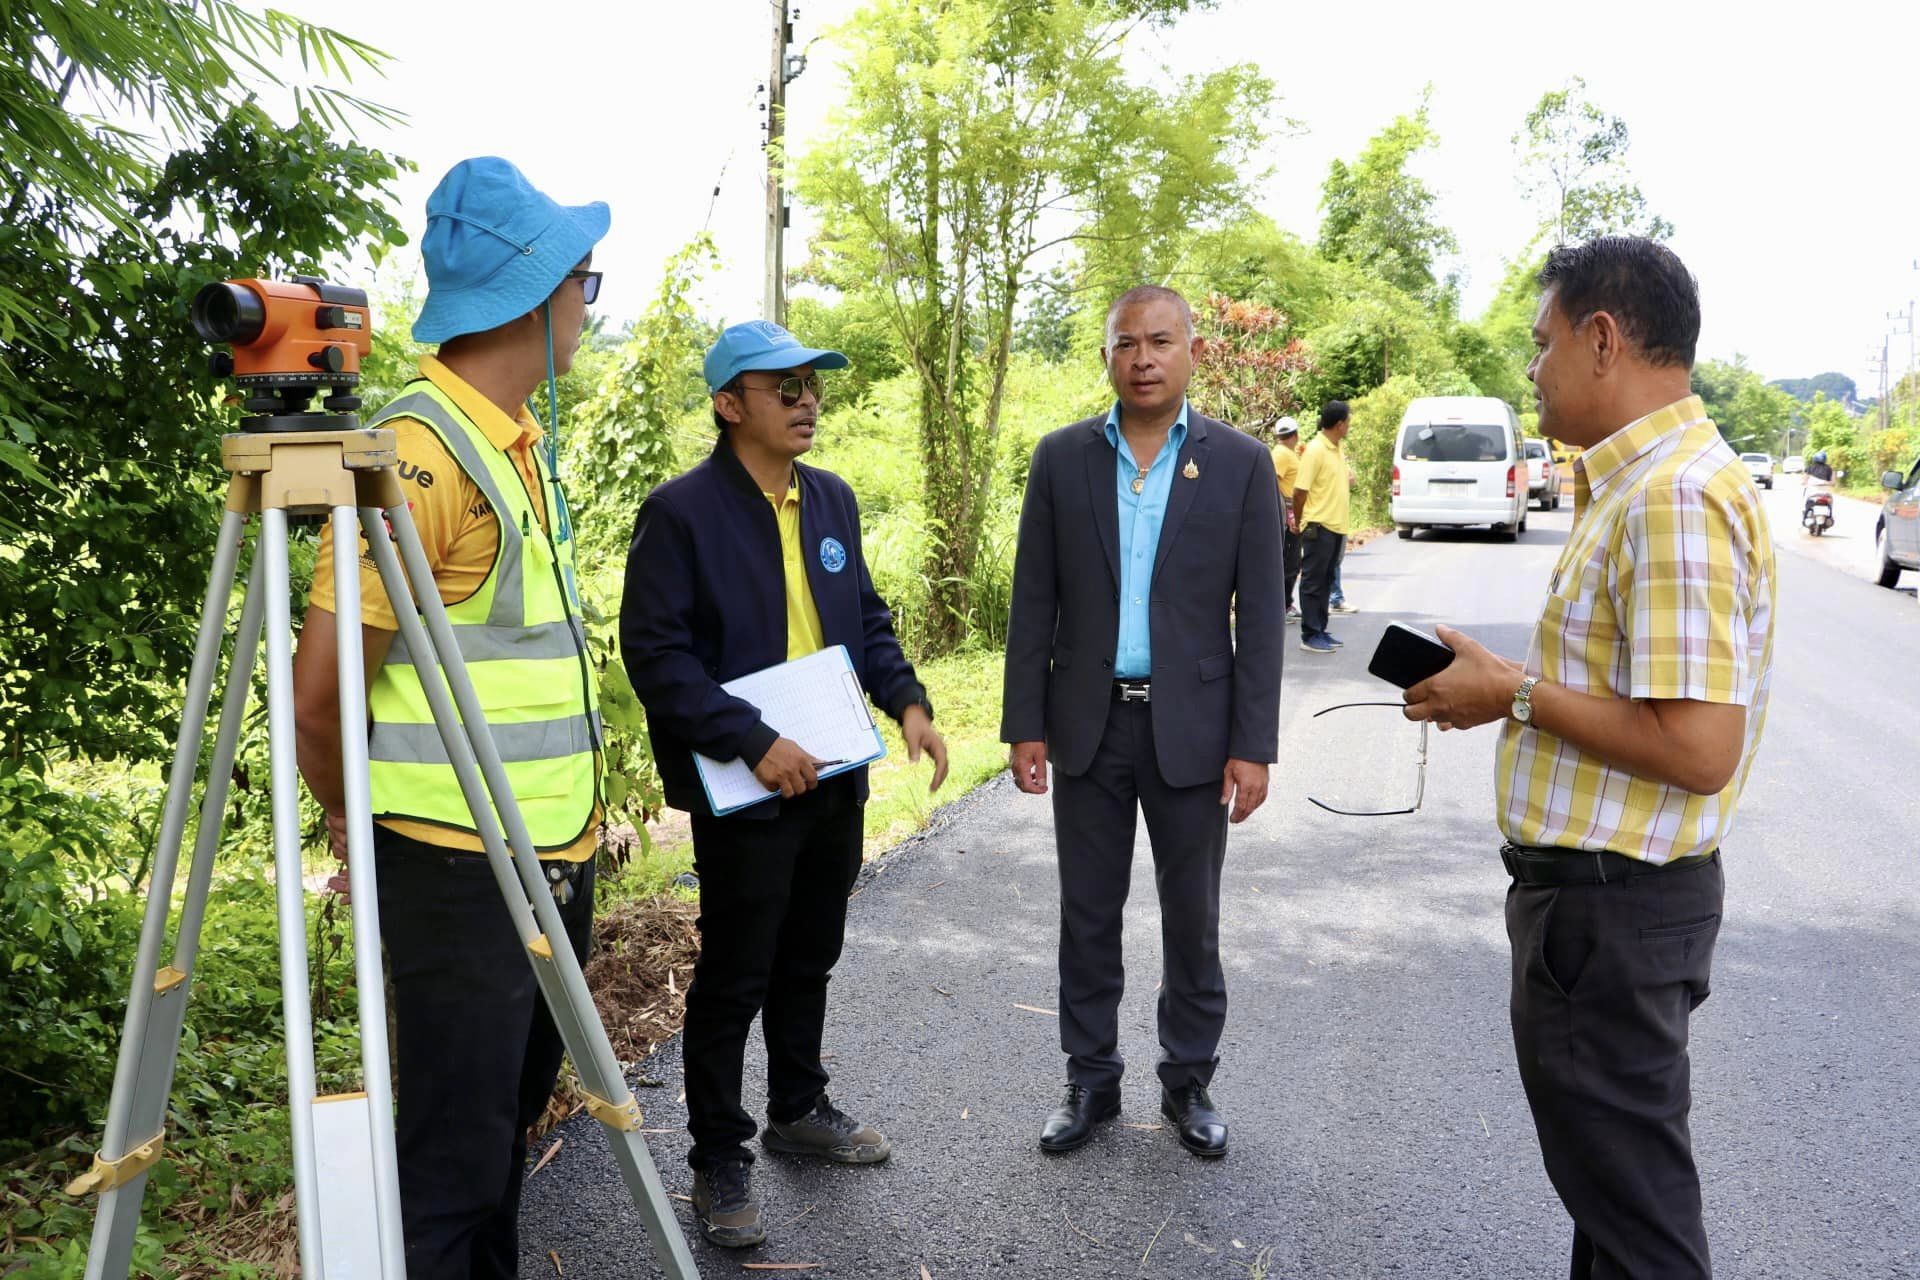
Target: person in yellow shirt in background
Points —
{"points": [[1286, 469], [476, 1050], [1320, 504]]}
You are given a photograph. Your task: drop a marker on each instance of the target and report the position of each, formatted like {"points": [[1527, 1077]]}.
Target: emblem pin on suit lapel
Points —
{"points": [[1192, 472]]}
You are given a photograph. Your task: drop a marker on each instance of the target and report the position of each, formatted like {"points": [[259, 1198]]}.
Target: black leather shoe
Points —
{"points": [[1200, 1127], [1071, 1124]]}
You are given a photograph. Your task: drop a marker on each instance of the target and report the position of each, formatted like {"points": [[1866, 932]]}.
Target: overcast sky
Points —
{"points": [[1782, 142]]}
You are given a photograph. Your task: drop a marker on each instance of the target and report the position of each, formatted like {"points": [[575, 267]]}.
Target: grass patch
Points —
{"points": [[965, 691]]}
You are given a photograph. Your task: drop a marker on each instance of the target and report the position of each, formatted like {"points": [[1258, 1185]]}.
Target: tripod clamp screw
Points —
{"points": [[108, 1174]]}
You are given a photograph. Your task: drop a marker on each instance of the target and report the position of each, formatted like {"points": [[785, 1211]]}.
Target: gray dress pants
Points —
{"points": [[1095, 816]]}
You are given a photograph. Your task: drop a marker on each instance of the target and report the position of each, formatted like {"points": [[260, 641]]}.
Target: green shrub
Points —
{"points": [[1369, 447]]}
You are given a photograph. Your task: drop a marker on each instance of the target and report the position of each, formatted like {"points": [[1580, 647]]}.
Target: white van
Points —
{"points": [[1457, 462]]}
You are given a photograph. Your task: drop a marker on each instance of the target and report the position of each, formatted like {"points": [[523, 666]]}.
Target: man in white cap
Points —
{"points": [[477, 1053], [1286, 469]]}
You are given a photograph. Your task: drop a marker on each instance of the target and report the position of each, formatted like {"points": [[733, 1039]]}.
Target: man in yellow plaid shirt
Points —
{"points": [[1629, 732]]}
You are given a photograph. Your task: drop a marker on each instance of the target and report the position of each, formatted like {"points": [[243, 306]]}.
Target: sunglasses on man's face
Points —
{"points": [[589, 283], [791, 389]]}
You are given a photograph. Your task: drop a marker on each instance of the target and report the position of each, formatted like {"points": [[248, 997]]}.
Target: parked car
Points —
{"points": [[1457, 462], [1760, 467], [1897, 535], [1543, 475], [1792, 465]]}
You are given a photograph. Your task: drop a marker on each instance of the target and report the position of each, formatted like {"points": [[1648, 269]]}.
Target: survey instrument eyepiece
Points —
{"points": [[289, 340]]}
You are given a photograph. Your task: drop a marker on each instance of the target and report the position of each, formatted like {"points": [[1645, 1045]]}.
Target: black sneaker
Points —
{"points": [[829, 1133], [723, 1202]]}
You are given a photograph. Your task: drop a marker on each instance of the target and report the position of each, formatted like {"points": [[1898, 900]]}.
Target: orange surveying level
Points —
{"points": [[288, 339]]}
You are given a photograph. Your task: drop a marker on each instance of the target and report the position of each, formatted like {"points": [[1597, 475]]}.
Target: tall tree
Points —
{"points": [[980, 140], [109, 439], [1749, 413], [1380, 216], [1573, 159]]}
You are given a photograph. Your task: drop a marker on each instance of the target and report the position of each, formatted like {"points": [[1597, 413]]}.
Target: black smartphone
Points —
{"points": [[1405, 657]]}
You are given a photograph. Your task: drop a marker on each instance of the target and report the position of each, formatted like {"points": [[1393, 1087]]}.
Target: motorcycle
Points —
{"points": [[1817, 516]]}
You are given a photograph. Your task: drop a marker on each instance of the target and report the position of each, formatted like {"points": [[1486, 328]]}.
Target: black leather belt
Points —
{"points": [[1133, 691], [1580, 866]]}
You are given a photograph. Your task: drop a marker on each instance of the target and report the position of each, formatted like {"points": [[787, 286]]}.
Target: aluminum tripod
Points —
{"points": [[345, 1175]]}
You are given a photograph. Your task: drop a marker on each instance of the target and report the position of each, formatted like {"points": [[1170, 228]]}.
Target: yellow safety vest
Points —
{"points": [[525, 648]]}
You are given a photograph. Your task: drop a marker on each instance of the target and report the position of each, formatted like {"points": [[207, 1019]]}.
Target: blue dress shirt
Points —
{"points": [[1140, 517]]}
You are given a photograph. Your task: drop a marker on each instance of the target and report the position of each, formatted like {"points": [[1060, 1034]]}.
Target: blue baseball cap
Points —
{"points": [[496, 247], [761, 344]]}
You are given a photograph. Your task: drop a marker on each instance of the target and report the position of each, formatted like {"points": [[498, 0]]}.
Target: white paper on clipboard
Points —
{"points": [[816, 701]]}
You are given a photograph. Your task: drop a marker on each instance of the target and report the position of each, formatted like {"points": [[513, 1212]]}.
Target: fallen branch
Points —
{"points": [[1083, 1235], [1156, 1237], [778, 1266], [547, 1156]]}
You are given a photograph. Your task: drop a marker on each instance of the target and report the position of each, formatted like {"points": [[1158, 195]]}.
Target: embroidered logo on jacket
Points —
{"points": [[833, 556]]}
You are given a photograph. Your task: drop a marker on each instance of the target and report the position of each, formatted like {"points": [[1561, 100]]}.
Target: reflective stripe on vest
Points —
{"points": [[524, 648]]}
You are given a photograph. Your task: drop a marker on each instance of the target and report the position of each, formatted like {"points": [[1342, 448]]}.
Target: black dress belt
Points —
{"points": [[1580, 866], [1133, 691]]}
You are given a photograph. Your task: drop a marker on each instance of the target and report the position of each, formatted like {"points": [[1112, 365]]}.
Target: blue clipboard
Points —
{"points": [[818, 702]]}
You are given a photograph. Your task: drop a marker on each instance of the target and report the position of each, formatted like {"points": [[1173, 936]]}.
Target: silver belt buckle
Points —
{"points": [[1134, 692]]}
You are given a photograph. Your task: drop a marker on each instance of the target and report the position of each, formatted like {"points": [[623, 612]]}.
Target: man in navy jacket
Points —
{"points": [[747, 561]]}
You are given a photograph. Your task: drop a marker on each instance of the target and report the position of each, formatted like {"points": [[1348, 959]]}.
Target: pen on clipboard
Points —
{"points": [[827, 764]]}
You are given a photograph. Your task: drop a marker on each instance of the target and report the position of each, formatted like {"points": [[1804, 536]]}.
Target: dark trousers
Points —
{"points": [[476, 1049], [773, 913], [1319, 560], [1604, 979], [1290, 563], [1094, 817]]}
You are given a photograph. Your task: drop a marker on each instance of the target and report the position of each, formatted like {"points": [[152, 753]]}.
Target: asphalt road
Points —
{"points": [[1379, 1128], [1848, 546]]}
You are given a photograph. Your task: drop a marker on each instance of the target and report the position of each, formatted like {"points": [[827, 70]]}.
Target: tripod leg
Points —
{"points": [[288, 889], [226, 743], [469, 744], [136, 1113], [376, 1076]]}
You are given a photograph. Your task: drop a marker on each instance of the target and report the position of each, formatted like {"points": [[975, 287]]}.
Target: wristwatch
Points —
{"points": [[1523, 700]]}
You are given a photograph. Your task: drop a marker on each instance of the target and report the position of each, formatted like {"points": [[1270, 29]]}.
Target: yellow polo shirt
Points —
{"points": [[459, 534], [804, 635], [1286, 469], [1323, 474]]}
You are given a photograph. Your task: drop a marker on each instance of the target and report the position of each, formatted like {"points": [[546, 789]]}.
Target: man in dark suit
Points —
{"points": [[749, 560], [1143, 659]]}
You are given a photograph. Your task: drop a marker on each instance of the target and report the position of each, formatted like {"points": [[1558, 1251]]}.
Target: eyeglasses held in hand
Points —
{"points": [[790, 389], [1420, 783], [589, 284]]}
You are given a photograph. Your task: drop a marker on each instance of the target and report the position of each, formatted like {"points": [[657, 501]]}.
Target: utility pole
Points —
{"points": [[1907, 316], [1880, 363], [786, 68]]}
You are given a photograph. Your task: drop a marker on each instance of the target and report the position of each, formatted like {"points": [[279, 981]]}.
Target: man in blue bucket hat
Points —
{"points": [[509, 281], [749, 560]]}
